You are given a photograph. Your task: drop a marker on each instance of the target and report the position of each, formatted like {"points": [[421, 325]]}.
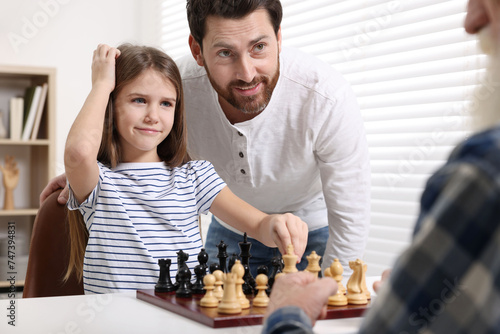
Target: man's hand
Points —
{"points": [[385, 277], [304, 290], [56, 183]]}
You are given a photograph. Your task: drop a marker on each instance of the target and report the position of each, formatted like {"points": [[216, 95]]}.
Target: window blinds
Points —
{"points": [[413, 69]]}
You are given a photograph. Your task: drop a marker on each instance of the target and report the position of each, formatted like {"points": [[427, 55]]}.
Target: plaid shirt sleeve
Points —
{"points": [[448, 280], [289, 320]]}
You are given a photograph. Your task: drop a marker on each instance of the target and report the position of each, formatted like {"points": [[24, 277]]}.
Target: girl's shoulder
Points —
{"points": [[194, 166]]}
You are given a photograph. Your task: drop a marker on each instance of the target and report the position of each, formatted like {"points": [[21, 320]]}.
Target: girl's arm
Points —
{"points": [[84, 138], [272, 230]]}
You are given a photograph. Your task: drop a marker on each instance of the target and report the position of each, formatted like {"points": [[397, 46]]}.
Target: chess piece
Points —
{"points": [[218, 291], [276, 262], [10, 180], [261, 300], [203, 258], [164, 282], [313, 263], [184, 289], [181, 263], [290, 260], [200, 272], [209, 300], [364, 288], [249, 285], [239, 271], [335, 271], [222, 256], [355, 294], [262, 269], [229, 303], [231, 262], [213, 267]]}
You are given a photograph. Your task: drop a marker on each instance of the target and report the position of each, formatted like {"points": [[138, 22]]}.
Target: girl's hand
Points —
{"points": [[103, 67], [288, 229]]}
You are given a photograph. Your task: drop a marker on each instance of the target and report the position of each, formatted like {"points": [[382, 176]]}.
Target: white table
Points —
{"points": [[121, 313]]}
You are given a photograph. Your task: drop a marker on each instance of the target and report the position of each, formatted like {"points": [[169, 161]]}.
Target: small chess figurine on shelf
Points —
{"points": [[10, 180]]}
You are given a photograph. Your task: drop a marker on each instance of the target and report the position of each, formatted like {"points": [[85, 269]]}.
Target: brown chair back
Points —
{"points": [[49, 254]]}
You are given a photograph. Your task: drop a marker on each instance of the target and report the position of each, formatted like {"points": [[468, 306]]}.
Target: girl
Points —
{"points": [[132, 180]]}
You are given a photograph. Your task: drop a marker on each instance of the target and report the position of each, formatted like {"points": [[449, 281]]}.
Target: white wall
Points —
{"points": [[63, 34]]}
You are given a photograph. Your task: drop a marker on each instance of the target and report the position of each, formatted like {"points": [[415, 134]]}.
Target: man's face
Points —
{"points": [[483, 17], [241, 57]]}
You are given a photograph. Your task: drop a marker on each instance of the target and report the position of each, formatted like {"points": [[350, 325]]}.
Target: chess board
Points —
{"points": [[190, 308]]}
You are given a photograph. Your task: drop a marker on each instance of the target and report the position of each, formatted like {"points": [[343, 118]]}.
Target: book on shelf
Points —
{"points": [[39, 112], [16, 117], [36, 105]]}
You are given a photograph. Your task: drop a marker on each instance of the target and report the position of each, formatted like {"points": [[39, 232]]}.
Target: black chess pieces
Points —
{"points": [[231, 262], [181, 263], [203, 258], [184, 289], [277, 263], [262, 269], [222, 256], [199, 272], [164, 282], [213, 267], [249, 285]]}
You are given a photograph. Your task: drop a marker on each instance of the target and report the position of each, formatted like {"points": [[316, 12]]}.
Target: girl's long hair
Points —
{"points": [[132, 61]]}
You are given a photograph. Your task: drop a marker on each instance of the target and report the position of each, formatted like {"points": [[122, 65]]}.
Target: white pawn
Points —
{"points": [[335, 271], [218, 291], [261, 300], [209, 300]]}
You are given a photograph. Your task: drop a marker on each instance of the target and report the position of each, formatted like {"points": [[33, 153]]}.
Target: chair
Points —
{"points": [[49, 254]]}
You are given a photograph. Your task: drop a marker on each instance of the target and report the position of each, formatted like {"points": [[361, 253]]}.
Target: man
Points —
{"points": [[282, 129], [448, 280]]}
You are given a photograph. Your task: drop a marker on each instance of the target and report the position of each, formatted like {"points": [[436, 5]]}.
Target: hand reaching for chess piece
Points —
{"points": [[10, 180]]}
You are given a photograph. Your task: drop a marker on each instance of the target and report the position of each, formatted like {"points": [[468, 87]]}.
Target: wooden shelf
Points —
{"points": [[38, 142], [6, 284], [35, 158], [19, 212]]}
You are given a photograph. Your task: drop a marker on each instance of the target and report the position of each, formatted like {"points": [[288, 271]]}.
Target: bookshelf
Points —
{"points": [[35, 159]]}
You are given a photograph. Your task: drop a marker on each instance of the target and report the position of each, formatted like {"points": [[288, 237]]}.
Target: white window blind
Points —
{"points": [[413, 69]]}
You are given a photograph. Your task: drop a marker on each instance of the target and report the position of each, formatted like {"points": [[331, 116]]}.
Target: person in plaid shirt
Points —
{"points": [[448, 280]]}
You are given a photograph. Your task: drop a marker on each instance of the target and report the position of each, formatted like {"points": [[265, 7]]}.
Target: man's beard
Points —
{"points": [[248, 104], [486, 101]]}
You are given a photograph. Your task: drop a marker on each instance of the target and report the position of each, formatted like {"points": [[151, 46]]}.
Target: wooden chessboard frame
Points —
{"points": [[190, 308]]}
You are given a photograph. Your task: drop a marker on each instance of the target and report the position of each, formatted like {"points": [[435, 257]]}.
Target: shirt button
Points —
{"points": [[242, 155], [240, 134], [243, 172]]}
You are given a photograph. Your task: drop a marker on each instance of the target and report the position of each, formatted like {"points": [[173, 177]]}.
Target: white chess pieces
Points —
{"points": [[290, 260], [229, 303], [355, 293], [261, 300], [335, 271], [218, 291], [313, 263], [364, 288], [209, 300], [239, 271]]}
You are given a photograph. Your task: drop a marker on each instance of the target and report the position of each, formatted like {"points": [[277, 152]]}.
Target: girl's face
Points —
{"points": [[144, 116]]}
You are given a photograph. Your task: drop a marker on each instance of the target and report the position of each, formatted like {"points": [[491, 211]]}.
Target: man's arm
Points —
{"points": [[344, 164]]}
